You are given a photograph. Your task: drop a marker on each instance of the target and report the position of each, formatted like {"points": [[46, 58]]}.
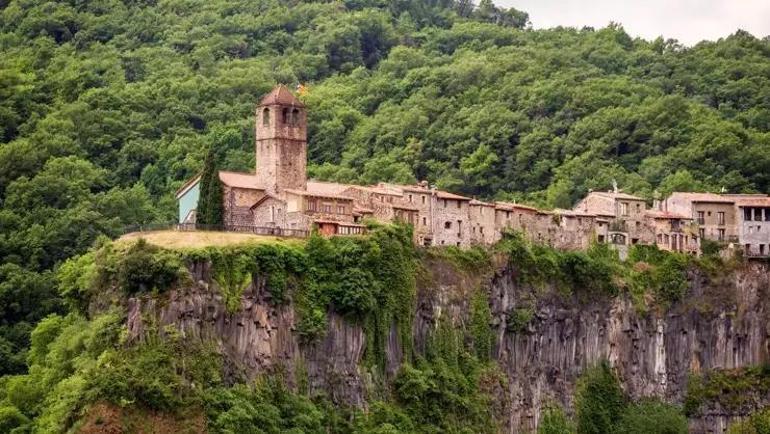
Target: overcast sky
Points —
{"points": [[689, 21]]}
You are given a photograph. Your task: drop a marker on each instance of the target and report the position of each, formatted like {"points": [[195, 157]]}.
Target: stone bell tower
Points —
{"points": [[281, 145]]}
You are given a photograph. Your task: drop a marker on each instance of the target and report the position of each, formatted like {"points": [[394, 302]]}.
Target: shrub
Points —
{"points": [[11, 418], [480, 325], [599, 400], [554, 421], [518, 318], [145, 267], [652, 417]]}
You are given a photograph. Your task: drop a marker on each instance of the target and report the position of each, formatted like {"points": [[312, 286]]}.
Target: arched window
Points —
{"points": [[295, 117], [266, 117], [285, 116]]}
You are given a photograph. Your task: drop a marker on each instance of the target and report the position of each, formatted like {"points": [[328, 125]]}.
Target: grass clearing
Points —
{"points": [[177, 240]]}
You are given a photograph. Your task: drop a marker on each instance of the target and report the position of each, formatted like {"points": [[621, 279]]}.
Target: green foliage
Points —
{"points": [[757, 423], [233, 273], [599, 401], [518, 319], [10, 418], [156, 375], [601, 406], [592, 272], [269, 408], [481, 326], [210, 209], [145, 267], [733, 389], [554, 421], [63, 353], [652, 417]]}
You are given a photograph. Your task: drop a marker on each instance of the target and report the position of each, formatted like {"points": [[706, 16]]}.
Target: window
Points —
{"points": [[326, 207], [294, 117], [459, 204], [312, 205], [481, 230], [624, 208], [423, 199], [709, 214], [445, 201], [447, 225], [721, 218], [721, 234], [638, 208], [758, 214], [702, 233], [285, 115], [762, 249], [701, 218], [410, 198], [424, 221], [266, 117], [508, 215], [747, 214], [341, 209], [767, 214]]}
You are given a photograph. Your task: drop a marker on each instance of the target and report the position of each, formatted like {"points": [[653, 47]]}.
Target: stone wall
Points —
{"points": [[722, 324]]}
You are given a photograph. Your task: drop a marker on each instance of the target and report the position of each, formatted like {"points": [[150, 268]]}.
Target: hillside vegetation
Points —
{"points": [[88, 370], [107, 106]]}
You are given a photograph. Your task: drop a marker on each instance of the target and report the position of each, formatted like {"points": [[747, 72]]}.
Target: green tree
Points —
{"points": [[210, 209]]}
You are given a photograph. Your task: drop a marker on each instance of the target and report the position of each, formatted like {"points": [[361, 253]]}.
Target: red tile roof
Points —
{"points": [[665, 215], [702, 197], [508, 206], [240, 180], [281, 95]]}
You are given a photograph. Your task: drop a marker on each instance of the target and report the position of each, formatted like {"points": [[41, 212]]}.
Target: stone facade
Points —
{"points": [[279, 195]]}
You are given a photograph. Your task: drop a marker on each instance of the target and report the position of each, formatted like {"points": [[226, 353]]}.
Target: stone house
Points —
{"points": [[278, 196], [674, 232], [714, 214], [513, 216], [482, 221], [451, 219], [625, 212], [753, 224]]}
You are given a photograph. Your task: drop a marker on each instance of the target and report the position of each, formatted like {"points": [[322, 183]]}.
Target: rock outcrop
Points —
{"points": [[721, 325]]}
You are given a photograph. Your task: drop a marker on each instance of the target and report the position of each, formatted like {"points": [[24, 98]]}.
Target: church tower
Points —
{"points": [[281, 131]]}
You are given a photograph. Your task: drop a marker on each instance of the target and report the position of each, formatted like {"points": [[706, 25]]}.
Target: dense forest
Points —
{"points": [[107, 106]]}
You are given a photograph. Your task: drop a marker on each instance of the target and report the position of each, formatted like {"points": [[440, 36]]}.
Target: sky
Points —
{"points": [[688, 21]]}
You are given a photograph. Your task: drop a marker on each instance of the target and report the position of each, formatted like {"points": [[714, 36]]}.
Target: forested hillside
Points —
{"points": [[107, 106]]}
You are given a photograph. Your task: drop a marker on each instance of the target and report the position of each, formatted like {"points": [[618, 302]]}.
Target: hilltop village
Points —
{"points": [[279, 195]]}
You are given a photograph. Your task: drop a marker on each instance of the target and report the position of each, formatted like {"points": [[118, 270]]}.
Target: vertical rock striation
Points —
{"points": [[722, 325]]}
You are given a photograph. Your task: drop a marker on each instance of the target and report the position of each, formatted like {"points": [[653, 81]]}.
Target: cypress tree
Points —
{"points": [[210, 203]]}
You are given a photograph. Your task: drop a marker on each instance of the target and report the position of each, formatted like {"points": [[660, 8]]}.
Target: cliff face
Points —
{"points": [[722, 325]]}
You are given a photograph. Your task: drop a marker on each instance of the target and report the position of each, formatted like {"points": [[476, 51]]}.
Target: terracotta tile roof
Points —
{"points": [[447, 195], [264, 198], [508, 206], [316, 190], [665, 215], [322, 187], [573, 213], [614, 195], [476, 202], [281, 95], [753, 201], [405, 206], [240, 180], [701, 197]]}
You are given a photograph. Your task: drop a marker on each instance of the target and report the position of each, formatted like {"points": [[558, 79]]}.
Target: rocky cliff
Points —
{"points": [[722, 325]]}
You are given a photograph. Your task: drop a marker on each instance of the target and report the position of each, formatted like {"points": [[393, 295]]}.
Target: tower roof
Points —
{"points": [[281, 95]]}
